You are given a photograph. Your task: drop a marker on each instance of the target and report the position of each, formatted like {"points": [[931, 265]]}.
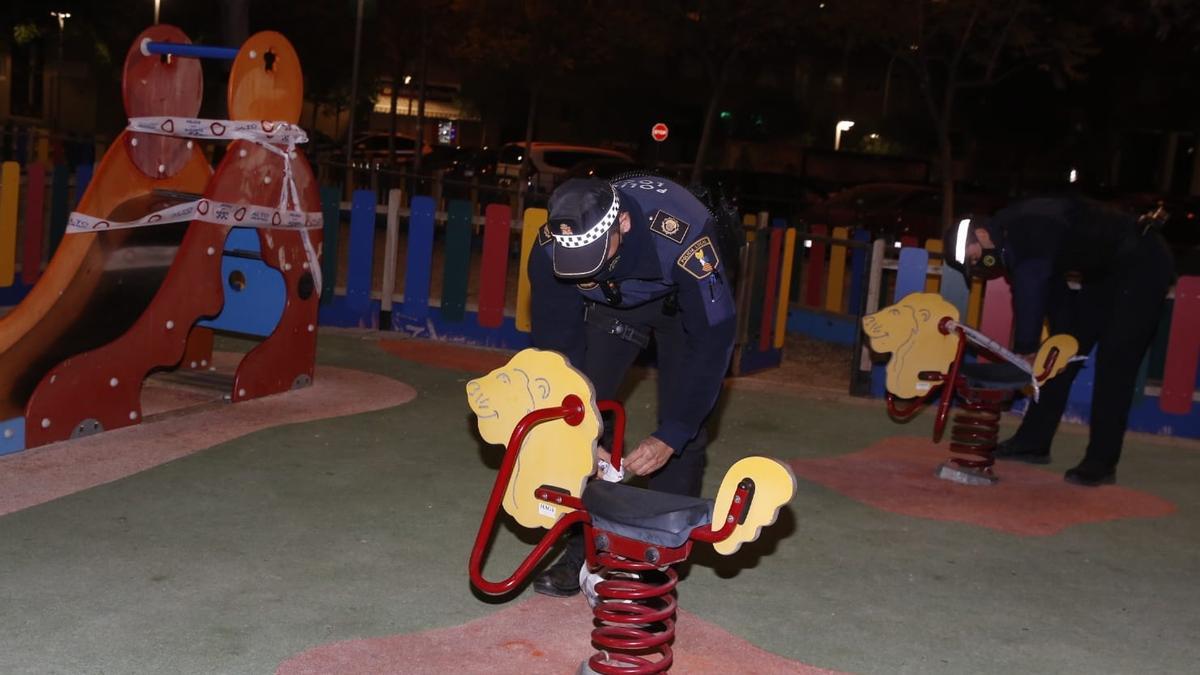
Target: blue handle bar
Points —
{"points": [[193, 51]]}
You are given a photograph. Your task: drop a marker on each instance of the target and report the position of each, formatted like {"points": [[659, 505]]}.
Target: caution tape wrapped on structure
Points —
{"points": [[267, 134]]}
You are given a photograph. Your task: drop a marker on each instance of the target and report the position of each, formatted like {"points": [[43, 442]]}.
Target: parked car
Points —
{"points": [[780, 194], [462, 164], [897, 210], [549, 162], [604, 167], [371, 151], [467, 173], [320, 146]]}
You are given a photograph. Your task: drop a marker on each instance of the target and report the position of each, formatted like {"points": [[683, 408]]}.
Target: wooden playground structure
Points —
{"points": [[161, 249]]}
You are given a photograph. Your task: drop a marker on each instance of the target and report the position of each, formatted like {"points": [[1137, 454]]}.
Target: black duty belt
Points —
{"points": [[612, 326]]}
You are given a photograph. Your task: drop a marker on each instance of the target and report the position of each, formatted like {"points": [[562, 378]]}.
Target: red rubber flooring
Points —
{"points": [[897, 475]]}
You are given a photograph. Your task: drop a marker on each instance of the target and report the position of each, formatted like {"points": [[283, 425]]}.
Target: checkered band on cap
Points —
{"points": [[597, 231]]}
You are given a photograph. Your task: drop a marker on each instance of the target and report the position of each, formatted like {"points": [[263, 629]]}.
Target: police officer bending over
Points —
{"points": [[1123, 269], [617, 264]]}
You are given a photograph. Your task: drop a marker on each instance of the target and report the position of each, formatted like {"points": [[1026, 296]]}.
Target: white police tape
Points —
{"points": [[207, 211], [249, 215], [998, 349], [263, 131], [178, 213]]}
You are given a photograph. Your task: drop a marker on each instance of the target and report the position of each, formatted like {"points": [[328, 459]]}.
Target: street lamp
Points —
{"points": [[843, 125]]}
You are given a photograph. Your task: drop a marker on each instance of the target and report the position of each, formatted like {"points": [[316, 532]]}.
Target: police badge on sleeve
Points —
{"points": [[700, 259], [669, 226]]}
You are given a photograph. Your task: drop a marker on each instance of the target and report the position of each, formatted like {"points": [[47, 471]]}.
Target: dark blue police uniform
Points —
{"points": [[1123, 271], [665, 282]]}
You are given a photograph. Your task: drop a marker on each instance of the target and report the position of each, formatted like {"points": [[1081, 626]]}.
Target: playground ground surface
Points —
{"points": [[328, 530]]}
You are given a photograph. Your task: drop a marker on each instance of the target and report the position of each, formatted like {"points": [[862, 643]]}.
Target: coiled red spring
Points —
{"points": [[976, 426], [636, 610]]}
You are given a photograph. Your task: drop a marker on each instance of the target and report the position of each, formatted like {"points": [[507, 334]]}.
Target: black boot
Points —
{"points": [[561, 580], [1090, 475], [1013, 450]]}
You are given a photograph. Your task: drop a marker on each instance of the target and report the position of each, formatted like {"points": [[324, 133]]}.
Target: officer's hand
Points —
{"points": [[647, 457]]}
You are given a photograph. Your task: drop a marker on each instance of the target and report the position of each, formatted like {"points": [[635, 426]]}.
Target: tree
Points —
{"points": [[535, 43], [722, 35], [952, 47]]}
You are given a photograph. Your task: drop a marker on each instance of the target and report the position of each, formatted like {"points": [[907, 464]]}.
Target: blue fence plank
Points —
{"points": [[910, 278], [955, 290], [858, 271], [420, 259], [911, 271], [83, 176], [362, 253]]}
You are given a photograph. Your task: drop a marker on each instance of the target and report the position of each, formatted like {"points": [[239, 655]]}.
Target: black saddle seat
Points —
{"points": [[994, 376], [658, 518]]}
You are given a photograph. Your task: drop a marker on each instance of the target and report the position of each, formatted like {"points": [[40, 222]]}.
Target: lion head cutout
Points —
{"points": [[555, 453], [909, 331]]}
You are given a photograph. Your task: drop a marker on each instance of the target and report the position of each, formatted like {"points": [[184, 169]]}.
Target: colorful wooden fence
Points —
{"points": [[35, 201], [463, 276]]}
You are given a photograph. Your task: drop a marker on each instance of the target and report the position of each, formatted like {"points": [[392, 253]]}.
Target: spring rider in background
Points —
{"points": [[927, 346], [547, 415]]}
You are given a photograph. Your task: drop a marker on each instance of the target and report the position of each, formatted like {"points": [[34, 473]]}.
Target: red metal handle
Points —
{"points": [[741, 502], [618, 412], [903, 414], [571, 411], [1051, 359], [939, 424]]}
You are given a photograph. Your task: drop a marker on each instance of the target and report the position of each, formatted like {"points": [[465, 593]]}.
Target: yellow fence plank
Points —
{"points": [[534, 219], [785, 286], [749, 224], [933, 282], [43, 148], [975, 303], [835, 288], [10, 186]]}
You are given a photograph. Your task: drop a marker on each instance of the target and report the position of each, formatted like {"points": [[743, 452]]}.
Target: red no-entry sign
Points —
{"points": [[659, 132]]}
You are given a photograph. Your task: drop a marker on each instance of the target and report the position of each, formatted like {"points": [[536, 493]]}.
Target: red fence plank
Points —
{"points": [[35, 201], [767, 334], [816, 269], [493, 273], [1183, 349]]}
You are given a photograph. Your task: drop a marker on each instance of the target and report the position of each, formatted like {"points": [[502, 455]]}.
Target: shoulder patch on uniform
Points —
{"points": [[700, 259], [669, 226], [544, 236]]}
